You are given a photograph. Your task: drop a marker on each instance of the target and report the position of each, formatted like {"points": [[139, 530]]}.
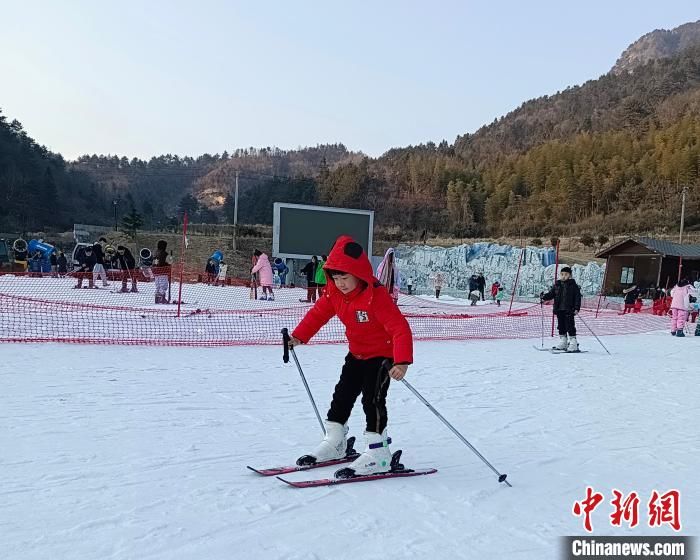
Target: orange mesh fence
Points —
{"points": [[43, 308]]}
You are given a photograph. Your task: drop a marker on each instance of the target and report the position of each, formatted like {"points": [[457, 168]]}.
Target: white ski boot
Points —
{"points": [[271, 297], [573, 345], [333, 445], [376, 457], [563, 343]]}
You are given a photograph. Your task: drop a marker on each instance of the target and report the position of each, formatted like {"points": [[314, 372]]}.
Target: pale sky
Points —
{"points": [[154, 77]]}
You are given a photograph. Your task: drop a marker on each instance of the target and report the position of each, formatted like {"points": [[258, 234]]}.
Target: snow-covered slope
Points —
{"points": [[140, 453]]}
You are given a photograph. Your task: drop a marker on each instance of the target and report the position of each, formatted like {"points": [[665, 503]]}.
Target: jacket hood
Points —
{"points": [[348, 256]]}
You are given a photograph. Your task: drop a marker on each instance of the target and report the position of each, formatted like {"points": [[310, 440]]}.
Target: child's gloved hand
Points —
{"points": [[398, 371], [293, 341]]}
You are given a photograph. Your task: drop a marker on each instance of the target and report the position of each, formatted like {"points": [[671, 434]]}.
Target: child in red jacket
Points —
{"points": [[376, 331]]}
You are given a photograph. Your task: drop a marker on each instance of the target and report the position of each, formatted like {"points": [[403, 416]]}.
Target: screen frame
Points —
{"points": [[277, 206]]}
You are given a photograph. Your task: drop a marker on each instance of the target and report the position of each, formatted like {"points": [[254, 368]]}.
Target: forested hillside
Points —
{"points": [[609, 156]]}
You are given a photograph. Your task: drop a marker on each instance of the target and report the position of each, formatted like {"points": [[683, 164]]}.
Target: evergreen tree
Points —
{"points": [[132, 222], [188, 204]]}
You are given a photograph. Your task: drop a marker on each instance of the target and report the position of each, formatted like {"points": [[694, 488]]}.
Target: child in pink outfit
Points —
{"points": [[679, 306], [264, 267]]}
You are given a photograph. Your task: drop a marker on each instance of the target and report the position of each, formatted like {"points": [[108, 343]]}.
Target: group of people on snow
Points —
{"points": [[91, 262], [93, 259], [476, 286], [680, 304], [475, 291], [34, 263], [315, 278], [59, 264], [215, 271]]}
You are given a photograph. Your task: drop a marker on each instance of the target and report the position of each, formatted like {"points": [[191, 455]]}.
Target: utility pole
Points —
{"points": [[235, 214], [680, 236]]}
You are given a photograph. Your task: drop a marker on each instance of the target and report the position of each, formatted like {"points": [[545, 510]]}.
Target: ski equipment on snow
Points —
{"points": [[397, 470], [501, 477], [363, 478], [285, 342], [350, 455], [594, 334]]}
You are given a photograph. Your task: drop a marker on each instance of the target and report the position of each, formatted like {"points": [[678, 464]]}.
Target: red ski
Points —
{"points": [[346, 476], [365, 478], [294, 468], [350, 455]]}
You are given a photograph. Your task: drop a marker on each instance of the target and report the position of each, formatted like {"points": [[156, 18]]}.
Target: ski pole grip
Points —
{"points": [[387, 365], [285, 344]]}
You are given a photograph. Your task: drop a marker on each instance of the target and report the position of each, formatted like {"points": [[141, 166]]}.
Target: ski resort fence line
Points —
{"points": [[34, 309]]}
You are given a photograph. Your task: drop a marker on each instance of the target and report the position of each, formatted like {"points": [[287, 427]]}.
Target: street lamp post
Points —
{"points": [[115, 203]]}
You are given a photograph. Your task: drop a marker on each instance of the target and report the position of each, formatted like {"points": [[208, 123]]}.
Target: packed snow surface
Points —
{"points": [[119, 452]]}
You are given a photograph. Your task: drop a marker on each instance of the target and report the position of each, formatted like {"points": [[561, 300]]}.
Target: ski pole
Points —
{"points": [[285, 359], [594, 334], [501, 477], [542, 314]]}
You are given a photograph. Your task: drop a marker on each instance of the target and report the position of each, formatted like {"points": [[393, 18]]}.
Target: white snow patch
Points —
{"points": [[136, 452]]}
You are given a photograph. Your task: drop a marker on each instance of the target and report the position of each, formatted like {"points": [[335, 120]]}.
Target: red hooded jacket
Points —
{"points": [[373, 323]]}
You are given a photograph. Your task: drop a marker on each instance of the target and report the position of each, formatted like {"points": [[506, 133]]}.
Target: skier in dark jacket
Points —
{"points": [[127, 263], [567, 303], [98, 270], [631, 295], [473, 283], [481, 284], [62, 264], [310, 271], [53, 259], [87, 262], [211, 271]]}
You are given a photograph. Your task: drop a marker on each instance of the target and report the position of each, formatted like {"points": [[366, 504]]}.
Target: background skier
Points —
{"points": [[567, 303]]}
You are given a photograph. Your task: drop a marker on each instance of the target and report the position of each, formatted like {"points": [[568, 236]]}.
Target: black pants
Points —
{"points": [[566, 323], [366, 377]]}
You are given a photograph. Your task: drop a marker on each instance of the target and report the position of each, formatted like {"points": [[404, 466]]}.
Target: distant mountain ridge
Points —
{"points": [[624, 101], [660, 43], [608, 156]]}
